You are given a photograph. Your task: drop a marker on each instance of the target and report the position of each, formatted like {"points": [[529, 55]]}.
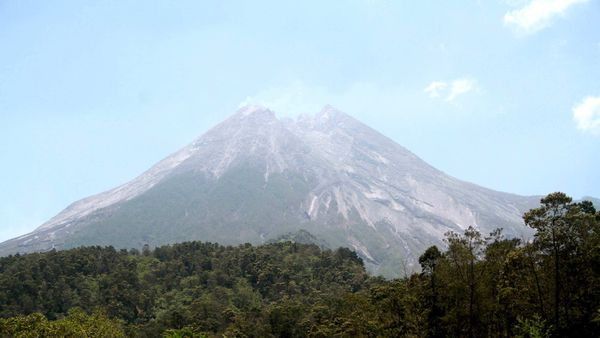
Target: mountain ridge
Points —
{"points": [[254, 177]]}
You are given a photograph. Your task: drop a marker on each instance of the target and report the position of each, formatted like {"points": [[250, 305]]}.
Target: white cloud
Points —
{"points": [[450, 90], [538, 14], [587, 115], [460, 87], [435, 88]]}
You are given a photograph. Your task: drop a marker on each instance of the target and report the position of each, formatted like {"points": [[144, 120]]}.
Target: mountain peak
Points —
{"points": [[329, 110], [328, 117], [255, 111], [330, 113]]}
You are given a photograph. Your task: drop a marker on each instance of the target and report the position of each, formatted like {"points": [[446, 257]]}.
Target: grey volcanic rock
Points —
{"points": [[255, 178]]}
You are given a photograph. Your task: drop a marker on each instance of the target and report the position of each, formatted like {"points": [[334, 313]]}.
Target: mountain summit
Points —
{"points": [[254, 178]]}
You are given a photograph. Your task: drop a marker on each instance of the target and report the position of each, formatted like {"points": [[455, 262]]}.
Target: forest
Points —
{"points": [[478, 285]]}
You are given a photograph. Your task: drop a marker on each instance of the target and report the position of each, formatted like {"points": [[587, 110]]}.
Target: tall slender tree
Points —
{"points": [[550, 221], [429, 261]]}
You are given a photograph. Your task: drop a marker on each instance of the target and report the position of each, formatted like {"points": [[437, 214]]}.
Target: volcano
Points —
{"points": [[254, 178]]}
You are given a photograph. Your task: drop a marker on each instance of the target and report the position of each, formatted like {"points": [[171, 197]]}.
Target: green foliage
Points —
{"points": [[185, 332], [535, 327], [479, 286], [189, 288], [77, 323]]}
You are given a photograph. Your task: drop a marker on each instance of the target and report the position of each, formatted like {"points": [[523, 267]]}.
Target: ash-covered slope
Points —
{"points": [[254, 178]]}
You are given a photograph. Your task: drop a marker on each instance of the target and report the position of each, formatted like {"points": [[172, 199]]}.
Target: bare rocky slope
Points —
{"points": [[254, 178]]}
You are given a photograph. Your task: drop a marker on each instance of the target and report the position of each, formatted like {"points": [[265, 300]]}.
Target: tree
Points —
{"points": [[464, 251], [496, 308], [550, 221], [429, 260], [568, 234]]}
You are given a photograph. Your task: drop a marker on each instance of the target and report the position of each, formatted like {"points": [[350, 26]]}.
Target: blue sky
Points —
{"points": [[505, 94]]}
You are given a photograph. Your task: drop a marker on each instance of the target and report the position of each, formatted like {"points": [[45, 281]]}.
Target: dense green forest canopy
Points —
{"points": [[479, 285]]}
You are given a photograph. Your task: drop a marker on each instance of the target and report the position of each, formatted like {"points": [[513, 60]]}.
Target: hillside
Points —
{"points": [[254, 178]]}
